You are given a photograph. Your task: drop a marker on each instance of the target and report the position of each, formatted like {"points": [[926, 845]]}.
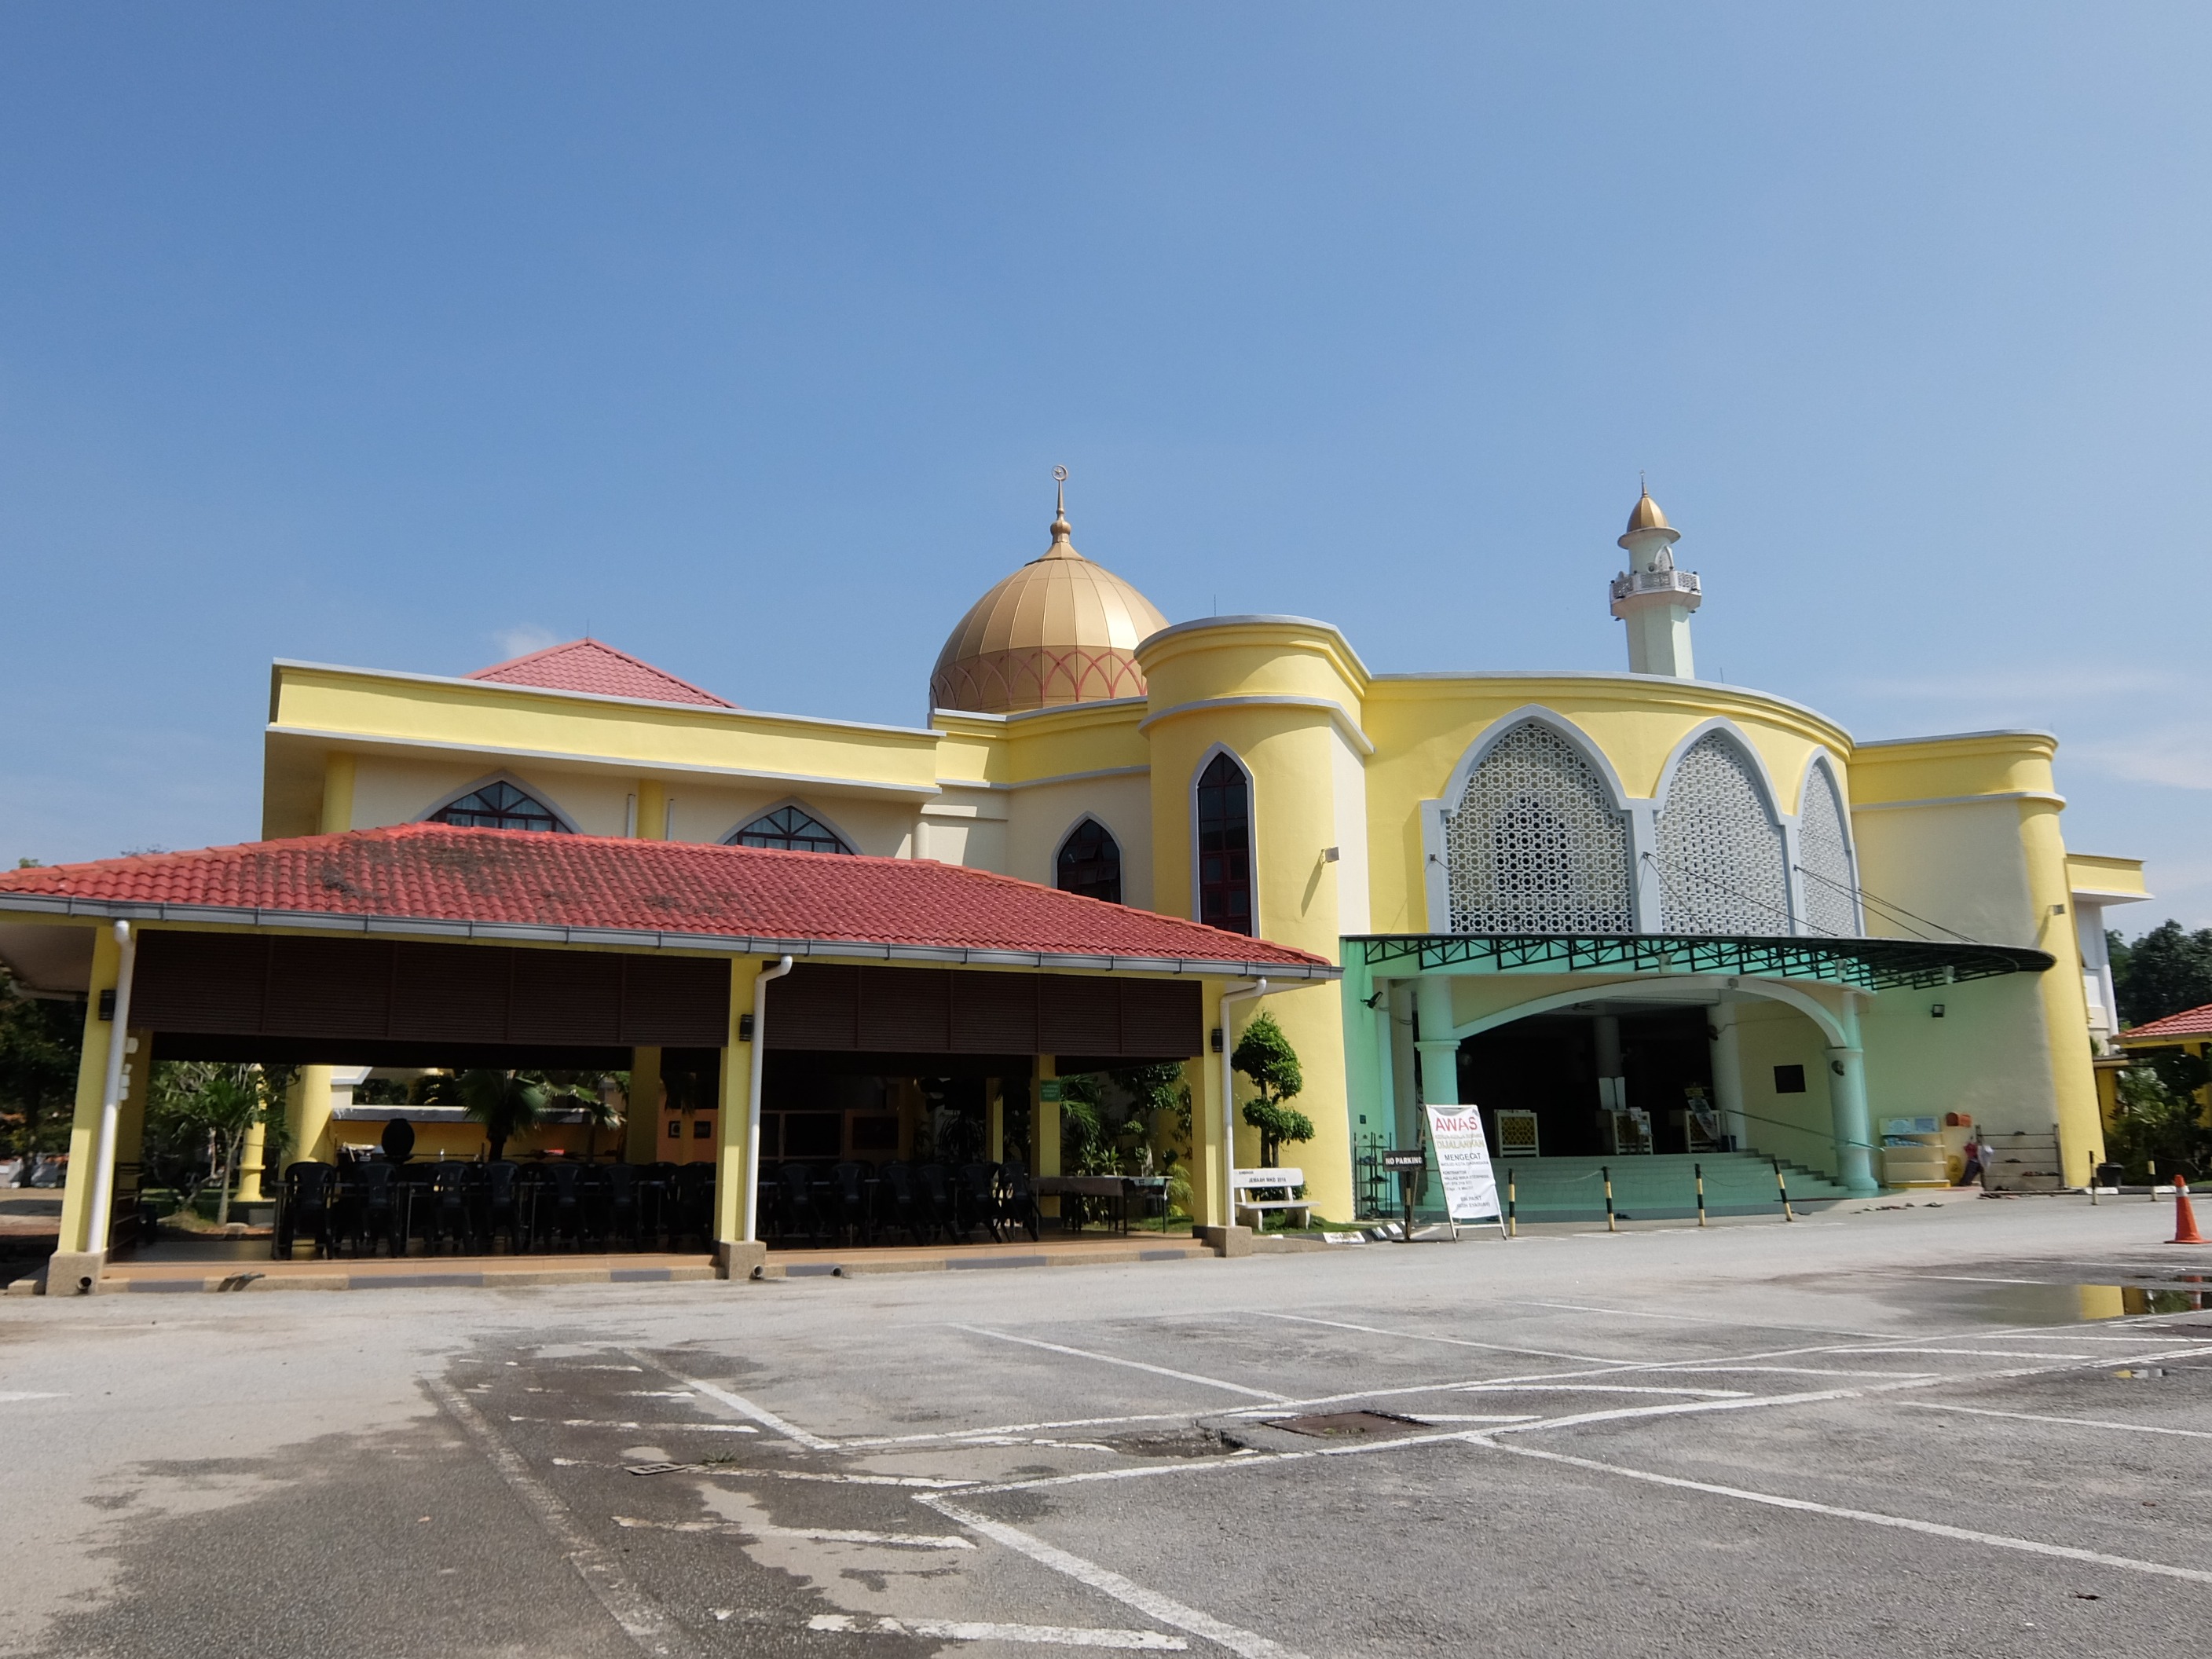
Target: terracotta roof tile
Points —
{"points": [[2189, 1023], [591, 666], [437, 872]]}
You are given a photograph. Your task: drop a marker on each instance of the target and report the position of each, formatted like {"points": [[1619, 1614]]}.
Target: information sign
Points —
{"points": [[1463, 1161]]}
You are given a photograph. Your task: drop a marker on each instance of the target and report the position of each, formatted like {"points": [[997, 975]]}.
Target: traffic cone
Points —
{"points": [[2184, 1218]]}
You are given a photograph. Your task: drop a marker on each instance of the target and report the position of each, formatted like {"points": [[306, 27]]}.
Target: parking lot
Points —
{"points": [[1976, 1429]]}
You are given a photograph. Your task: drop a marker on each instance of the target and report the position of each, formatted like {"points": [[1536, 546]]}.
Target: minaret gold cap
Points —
{"points": [[1647, 515]]}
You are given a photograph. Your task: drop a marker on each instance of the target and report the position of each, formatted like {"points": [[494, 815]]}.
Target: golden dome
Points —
{"points": [[1061, 629], [1647, 515]]}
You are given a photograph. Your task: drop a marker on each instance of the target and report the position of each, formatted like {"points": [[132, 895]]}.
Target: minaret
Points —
{"points": [[1653, 597]]}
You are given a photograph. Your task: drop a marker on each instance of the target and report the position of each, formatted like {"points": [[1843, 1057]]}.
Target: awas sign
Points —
{"points": [[1463, 1161]]}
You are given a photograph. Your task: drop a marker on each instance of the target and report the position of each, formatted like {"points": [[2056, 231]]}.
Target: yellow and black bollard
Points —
{"points": [[1612, 1225], [1700, 1170], [1782, 1186], [1512, 1222]]}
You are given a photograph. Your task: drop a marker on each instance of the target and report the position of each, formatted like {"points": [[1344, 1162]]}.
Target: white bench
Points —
{"points": [[1245, 1184]]}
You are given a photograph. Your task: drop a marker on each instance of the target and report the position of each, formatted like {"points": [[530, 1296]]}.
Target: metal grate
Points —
{"points": [[1536, 845], [1824, 845], [1721, 863]]}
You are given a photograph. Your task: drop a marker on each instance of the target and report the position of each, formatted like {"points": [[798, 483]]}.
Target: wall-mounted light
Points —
{"points": [[1837, 1066], [1330, 854], [1935, 1010], [744, 1028], [1216, 1039]]}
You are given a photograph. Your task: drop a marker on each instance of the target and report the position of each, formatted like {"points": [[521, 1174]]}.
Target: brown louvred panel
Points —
{"points": [[450, 992], [816, 1006], [330, 987], [565, 996], [676, 1002], [906, 1010], [1078, 1016], [1162, 1016], [209, 982], [995, 1014]]}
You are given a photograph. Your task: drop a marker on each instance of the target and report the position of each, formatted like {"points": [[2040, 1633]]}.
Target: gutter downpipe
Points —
{"points": [[97, 1211], [753, 1095], [1251, 993]]}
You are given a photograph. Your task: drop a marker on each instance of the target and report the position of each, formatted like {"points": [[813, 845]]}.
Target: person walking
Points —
{"points": [[1977, 1170]]}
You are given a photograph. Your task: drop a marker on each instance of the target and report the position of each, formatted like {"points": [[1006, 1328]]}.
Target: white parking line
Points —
{"points": [[12, 1395], [908, 1540], [1249, 1643], [2079, 1422], [743, 1406], [1006, 1429], [1132, 1364], [1704, 1319], [1422, 1336], [966, 1630], [615, 1423], [1905, 1523]]}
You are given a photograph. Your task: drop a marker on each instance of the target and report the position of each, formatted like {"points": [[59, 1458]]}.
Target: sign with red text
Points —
{"points": [[1463, 1162]]}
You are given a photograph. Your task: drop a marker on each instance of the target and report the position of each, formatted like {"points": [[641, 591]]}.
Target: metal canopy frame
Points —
{"points": [[1868, 964]]}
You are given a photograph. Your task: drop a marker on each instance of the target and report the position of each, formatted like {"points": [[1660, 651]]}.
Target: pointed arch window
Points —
{"points": [[790, 830], [1091, 863], [1722, 867], [499, 805], [1535, 844], [1824, 847], [1225, 846]]}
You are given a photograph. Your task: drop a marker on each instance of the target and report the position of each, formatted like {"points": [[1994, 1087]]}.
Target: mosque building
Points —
{"points": [[1624, 913]]}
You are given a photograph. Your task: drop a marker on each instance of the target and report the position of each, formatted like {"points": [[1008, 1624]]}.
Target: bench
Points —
{"points": [[1245, 1184]]}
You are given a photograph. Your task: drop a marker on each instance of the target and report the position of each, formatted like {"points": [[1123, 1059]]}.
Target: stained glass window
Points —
{"points": [[790, 830], [1225, 846], [497, 807], [1091, 863]]}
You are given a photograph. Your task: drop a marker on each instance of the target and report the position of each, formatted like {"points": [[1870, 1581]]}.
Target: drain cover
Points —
{"points": [[1348, 1425]]}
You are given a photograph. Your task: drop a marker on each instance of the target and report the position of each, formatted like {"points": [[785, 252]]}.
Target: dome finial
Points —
{"points": [[1061, 530], [1646, 514]]}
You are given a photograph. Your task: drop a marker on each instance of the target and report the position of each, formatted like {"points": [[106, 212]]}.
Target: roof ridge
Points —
{"points": [[503, 673]]}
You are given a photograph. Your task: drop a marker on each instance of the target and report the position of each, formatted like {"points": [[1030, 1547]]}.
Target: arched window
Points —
{"points": [[1824, 848], [1225, 846], [1535, 845], [498, 806], [1722, 867], [790, 830], [1091, 863]]}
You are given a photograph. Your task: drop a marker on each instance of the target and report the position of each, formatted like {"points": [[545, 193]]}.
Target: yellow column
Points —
{"points": [[652, 811], [994, 1119], [1208, 1174], [733, 1163], [2065, 1006], [1044, 1126], [642, 1131], [251, 1153], [84, 1129], [130, 1120], [337, 792], [308, 1115]]}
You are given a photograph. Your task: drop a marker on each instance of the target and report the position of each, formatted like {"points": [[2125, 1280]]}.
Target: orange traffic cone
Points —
{"points": [[2184, 1218]]}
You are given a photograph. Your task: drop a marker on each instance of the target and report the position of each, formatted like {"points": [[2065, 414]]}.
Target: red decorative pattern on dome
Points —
{"points": [[590, 666], [1041, 676]]}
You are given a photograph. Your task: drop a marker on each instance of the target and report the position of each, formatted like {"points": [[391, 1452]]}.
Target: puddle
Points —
{"points": [[2000, 1303], [2138, 1373], [1349, 1425]]}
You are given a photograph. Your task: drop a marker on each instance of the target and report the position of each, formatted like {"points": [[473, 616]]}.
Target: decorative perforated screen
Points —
{"points": [[1722, 867], [1535, 844], [1824, 850]]}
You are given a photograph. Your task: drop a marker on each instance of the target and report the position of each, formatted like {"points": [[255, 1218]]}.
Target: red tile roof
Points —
{"points": [[433, 877], [2189, 1023], [590, 666]]}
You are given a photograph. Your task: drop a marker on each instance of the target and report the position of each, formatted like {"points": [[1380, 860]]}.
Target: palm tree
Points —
{"points": [[505, 1102]]}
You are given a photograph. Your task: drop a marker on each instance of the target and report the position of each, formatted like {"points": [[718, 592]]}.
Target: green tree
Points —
{"points": [[217, 1106], [1264, 1055], [2167, 971], [2156, 1118], [506, 1103], [40, 1039]]}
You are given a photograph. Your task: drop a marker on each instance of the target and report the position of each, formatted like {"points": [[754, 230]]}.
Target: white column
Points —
{"points": [[1439, 1048], [1847, 1107], [1611, 1085], [1728, 1073]]}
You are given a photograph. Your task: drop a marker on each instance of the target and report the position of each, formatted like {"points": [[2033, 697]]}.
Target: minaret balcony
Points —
{"points": [[1674, 586]]}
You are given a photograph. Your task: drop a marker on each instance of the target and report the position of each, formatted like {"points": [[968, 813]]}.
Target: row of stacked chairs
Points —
{"points": [[470, 1207], [853, 1202]]}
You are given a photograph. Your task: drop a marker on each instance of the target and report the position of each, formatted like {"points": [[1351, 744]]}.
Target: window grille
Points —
{"points": [[790, 830], [1091, 863], [497, 807], [1824, 845], [1721, 866], [1225, 846], [1536, 845]]}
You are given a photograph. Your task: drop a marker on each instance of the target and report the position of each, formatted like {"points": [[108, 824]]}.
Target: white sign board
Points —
{"points": [[1463, 1161]]}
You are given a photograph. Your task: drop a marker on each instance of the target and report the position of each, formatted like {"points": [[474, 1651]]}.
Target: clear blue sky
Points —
{"points": [[746, 338]]}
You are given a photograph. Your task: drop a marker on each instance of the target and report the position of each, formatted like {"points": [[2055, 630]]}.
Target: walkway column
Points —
{"points": [[1728, 1074], [308, 1115], [641, 1118], [75, 1264], [1439, 1049], [994, 1120], [734, 1172], [1044, 1125], [1612, 1075], [1847, 1107], [1209, 1164]]}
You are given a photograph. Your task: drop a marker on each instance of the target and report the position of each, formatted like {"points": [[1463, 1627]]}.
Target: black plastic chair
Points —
{"points": [[560, 1203], [615, 1204], [976, 1200], [693, 1203], [936, 1183], [900, 1203], [1018, 1205], [367, 1212], [657, 1202], [304, 1210], [802, 1214], [498, 1205], [848, 1198], [447, 1215]]}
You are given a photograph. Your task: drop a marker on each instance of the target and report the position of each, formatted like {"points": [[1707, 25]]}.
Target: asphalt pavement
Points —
{"points": [[1974, 1428]]}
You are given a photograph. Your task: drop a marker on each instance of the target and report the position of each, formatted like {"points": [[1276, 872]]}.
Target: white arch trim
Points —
{"points": [[729, 836], [1831, 1025], [560, 815], [1251, 826], [1727, 728], [1052, 859], [1838, 780], [1499, 729]]}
